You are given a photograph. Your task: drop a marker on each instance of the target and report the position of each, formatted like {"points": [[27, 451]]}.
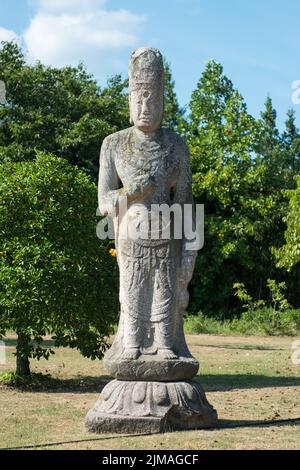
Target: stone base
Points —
{"points": [[151, 367], [150, 407]]}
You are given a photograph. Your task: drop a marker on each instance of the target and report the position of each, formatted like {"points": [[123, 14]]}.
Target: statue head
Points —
{"points": [[146, 89]]}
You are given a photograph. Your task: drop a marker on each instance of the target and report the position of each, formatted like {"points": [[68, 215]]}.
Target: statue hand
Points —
{"points": [[139, 193], [187, 265]]}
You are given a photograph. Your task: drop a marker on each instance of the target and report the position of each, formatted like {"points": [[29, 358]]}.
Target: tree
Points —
{"points": [[64, 111], [241, 171], [56, 277], [173, 114], [277, 156], [268, 202], [291, 142], [288, 255], [221, 138], [61, 111]]}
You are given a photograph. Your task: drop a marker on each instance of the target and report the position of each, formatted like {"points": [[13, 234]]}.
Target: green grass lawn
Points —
{"points": [[251, 381]]}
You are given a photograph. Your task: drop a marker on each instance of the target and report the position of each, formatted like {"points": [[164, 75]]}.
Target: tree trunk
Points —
{"points": [[23, 366]]}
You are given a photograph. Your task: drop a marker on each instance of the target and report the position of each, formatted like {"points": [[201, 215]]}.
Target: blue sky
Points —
{"points": [[257, 42]]}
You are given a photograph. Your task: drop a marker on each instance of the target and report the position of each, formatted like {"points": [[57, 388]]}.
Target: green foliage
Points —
{"points": [[173, 114], [266, 321], [11, 379], [202, 324], [62, 111], [277, 295], [244, 172], [256, 322], [43, 382], [272, 319], [221, 138], [278, 301], [241, 171], [291, 141], [289, 254], [248, 303], [55, 275]]}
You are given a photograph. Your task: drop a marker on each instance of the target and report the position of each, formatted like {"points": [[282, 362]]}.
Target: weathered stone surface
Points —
{"points": [[148, 367], [139, 407], [148, 166]]}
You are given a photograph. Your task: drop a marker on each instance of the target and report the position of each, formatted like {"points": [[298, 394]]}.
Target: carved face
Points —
{"points": [[146, 103]]}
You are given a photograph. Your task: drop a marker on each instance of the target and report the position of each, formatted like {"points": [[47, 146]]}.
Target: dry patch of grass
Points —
{"points": [[251, 381]]}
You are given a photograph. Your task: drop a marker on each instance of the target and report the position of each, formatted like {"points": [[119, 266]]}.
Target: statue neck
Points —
{"points": [[147, 135]]}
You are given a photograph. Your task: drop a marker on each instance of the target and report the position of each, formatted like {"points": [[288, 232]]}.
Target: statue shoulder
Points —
{"points": [[176, 139], [116, 138]]}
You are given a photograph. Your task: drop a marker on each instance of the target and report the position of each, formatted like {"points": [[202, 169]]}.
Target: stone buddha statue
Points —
{"points": [[142, 168]]}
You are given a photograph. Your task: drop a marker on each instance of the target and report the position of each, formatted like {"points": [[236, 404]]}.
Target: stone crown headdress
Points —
{"points": [[146, 66]]}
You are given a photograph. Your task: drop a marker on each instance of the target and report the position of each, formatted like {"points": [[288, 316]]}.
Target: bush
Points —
{"points": [[256, 322], [270, 322], [56, 277]]}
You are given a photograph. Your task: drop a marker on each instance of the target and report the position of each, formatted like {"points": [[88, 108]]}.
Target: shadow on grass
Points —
{"points": [[247, 347], [88, 384], [226, 382], [244, 423], [222, 424], [12, 342], [49, 384], [49, 343]]}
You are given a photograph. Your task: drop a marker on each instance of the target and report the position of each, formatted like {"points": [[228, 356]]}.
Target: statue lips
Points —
{"points": [[145, 117], [145, 120]]}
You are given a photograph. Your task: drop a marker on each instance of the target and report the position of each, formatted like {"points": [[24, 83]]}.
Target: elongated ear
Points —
{"points": [[130, 113]]}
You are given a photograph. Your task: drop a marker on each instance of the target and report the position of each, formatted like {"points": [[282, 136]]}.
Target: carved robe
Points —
{"points": [[149, 267]]}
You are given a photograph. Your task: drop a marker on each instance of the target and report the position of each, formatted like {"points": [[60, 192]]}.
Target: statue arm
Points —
{"points": [[183, 190], [108, 183], [183, 195]]}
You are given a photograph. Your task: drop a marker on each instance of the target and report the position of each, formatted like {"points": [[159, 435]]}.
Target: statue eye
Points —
{"points": [[146, 94]]}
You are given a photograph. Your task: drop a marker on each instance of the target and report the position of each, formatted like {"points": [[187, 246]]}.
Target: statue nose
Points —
{"points": [[145, 108]]}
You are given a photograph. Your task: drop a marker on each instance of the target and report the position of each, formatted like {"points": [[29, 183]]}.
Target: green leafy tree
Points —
{"points": [[291, 142], [56, 277], [248, 303], [279, 302], [62, 111], [267, 203], [277, 156], [173, 114], [242, 168], [288, 255], [221, 137]]}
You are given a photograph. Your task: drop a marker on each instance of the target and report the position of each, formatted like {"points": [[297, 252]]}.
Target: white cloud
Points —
{"points": [[65, 32], [61, 39], [8, 35], [68, 5]]}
